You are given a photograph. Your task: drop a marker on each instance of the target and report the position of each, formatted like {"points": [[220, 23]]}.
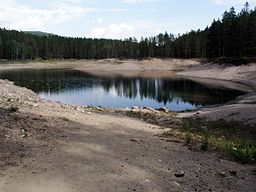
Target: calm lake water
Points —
{"points": [[79, 88]]}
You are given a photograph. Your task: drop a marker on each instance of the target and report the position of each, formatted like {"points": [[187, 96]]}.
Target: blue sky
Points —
{"points": [[113, 18]]}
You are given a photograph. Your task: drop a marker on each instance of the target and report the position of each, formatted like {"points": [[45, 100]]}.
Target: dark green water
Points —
{"points": [[79, 88]]}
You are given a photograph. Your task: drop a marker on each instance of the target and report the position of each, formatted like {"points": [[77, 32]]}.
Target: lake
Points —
{"points": [[84, 89]]}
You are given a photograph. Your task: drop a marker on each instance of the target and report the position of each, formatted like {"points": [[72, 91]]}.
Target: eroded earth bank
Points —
{"points": [[47, 146]]}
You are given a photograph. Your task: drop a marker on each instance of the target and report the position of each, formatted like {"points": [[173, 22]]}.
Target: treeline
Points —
{"points": [[19, 45], [234, 35]]}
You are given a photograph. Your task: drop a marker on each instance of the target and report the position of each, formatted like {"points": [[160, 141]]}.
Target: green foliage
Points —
{"points": [[234, 36], [188, 138], [241, 150], [231, 138], [205, 142], [233, 60], [38, 33]]}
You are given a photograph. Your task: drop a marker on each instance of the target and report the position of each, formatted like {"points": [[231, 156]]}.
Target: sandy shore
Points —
{"points": [[47, 146], [130, 68], [235, 77], [244, 74], [106, 64], [243, 109]]}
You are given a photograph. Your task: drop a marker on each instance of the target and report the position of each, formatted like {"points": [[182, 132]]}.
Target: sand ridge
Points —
{"points": [[47, 146]]}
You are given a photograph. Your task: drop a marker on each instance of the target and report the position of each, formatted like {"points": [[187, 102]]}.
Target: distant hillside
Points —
{"points": [[39, 33], [231, 38]]}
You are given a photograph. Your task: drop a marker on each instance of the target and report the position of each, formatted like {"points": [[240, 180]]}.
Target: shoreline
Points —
{"points": [[232, 77], [36, 135], [129, 148], [243, 108]]}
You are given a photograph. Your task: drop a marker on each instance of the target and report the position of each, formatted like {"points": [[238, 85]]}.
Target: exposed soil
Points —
{"points": [[243, 109], [108, 66], [48, 146]]}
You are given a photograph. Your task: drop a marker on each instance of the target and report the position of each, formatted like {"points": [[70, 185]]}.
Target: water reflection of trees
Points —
{"points": [[161, 90]]}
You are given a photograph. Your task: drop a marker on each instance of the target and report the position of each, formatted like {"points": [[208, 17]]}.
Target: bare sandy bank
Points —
{"points": [[117, 66], [146, 68], [235, 77], [244, 74], [47, 146], [243, 109]]}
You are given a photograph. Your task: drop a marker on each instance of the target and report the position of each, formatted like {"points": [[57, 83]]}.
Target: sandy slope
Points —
{"points": [[73, 149], [244, 108], [52, 147], [242, 74], [110, 66], [240, 77]]}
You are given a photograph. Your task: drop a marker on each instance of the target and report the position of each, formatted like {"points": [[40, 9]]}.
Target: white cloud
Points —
{"points": [[70, 1], [142, 1], [136, 1], [28, 24], [114, 31], [137, 28], [97, 21], [23, 17], [232, 2], [149, 28]]}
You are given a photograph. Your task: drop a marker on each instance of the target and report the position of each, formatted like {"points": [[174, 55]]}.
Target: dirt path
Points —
{"points": [[47, 146], [67, 148], [243, 109], [143, 68]]}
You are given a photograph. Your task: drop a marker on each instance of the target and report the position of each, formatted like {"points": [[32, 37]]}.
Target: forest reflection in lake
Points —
{"points": [[80, 88]]}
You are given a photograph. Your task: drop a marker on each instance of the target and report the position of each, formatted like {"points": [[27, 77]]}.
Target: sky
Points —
{"points": [[116, 19]]}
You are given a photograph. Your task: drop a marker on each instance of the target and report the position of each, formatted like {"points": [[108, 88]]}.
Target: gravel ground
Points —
{"points": [[48, 146]]}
